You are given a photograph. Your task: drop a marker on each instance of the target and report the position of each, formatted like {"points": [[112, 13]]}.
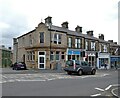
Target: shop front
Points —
{"points": [[73, 54], [102, 60], [115, 61], [91, 57]]}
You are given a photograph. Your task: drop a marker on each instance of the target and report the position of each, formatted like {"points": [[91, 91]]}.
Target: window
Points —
{"points": [[77, 43], [30, 55], [92, 45], [51, 55], [62, 56], [105, 48], [57, 38], [57, 55], [86, 45], [69, 42], [100, 47], [30, 40], [41, 37]]}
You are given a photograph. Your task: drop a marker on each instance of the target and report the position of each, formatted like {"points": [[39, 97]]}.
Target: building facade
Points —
{"points": [[49, 46], [5, 56]]}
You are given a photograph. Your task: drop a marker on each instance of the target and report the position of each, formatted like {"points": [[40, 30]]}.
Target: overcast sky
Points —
{"points": [[18, 17]]}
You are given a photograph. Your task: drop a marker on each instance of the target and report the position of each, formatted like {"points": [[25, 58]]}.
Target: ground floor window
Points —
{"points": [[57, 55], [30, 55], [73, 57], [51, 55], [102, 62], [62, 55]]}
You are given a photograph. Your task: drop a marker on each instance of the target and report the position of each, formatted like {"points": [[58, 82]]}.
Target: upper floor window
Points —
{"points": [[77, 43], [41, 37], [100, 48], [30, 40], [105, 48], [57, 38], [86, 45], [92, 45], [69, 42]]}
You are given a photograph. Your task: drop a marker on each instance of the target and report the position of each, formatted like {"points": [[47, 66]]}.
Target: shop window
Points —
{"points": [[62, 56], [69, 57]]}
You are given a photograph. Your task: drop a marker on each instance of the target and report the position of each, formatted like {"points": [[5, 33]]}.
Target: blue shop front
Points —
{"points": [[115, 61], [73, 54]]}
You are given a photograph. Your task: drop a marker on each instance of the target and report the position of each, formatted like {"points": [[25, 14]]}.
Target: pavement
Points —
{"points": [[10, 71]]}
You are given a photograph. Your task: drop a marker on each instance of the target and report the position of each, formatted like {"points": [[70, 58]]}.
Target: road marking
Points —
{"points": [[4, 76], [114, 93], [107, 88], [95, 95], [51, 79], [99, 89]]}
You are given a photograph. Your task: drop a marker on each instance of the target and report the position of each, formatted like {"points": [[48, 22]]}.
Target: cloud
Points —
{"points": [[12, 23]]}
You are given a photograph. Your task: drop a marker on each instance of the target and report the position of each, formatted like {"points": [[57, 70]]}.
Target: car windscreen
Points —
{"points": [[69, 63]]}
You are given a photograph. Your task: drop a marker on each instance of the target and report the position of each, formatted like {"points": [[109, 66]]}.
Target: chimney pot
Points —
{"points": [[48, 20], [101, 36], [78, 29], [90, 33], [110, 41], [65, 24]]}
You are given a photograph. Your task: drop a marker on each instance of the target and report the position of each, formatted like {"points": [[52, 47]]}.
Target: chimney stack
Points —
{"points": [[111, 41], [90, 33], [48, 21], [65, 24], [15, 41], [9, 48], [78, 29], [115, 42], [101, 36]]}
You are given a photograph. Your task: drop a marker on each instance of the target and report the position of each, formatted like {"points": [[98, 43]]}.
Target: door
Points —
{"points": [[41, 60]]}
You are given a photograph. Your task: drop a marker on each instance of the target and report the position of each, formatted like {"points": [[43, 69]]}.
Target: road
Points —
{"points": [[58, 84]]}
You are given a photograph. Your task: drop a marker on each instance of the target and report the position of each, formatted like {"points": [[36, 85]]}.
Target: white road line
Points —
{"points": [[4, 76], [51, 79], [116, 85], [114, 93], [95, 95], [107, 88], [31, 80], [10, 80], [99, 89]]}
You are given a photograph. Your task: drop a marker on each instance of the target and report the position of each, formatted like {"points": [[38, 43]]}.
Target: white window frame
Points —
{"points": [[69, 42], [58, 39], [92, 45], [86, 45]]}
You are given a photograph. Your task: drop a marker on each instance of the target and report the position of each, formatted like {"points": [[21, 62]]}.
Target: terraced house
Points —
{"points": [[49, 46]]}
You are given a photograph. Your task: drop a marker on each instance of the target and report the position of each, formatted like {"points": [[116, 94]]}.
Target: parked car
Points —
{"points": [[79, 67], [18, 66]]}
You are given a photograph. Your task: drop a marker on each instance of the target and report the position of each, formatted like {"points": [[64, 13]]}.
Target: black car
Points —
{"points": [[18, 66], [79, 67]]}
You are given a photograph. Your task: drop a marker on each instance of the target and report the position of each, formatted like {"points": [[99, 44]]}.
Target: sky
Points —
{"points": [[18, 17]]}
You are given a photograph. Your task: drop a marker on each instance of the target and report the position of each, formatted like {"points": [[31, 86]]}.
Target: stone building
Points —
{"points": [[49, 46]]}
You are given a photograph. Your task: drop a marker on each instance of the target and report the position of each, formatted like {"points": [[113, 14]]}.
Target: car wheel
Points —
{"points": [[80, 72], [93, 72], [69, 73]]}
